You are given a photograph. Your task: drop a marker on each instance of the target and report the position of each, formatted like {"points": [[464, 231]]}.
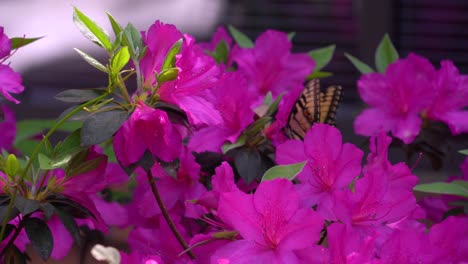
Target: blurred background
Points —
{"points": [[432, 28]]}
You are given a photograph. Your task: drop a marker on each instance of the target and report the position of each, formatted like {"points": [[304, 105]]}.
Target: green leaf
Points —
{"points": [[40, 236], [168, 75], [169, 61], [12, 165], [116, 27], [91, 30], [241, 39], [100, 126], [459, 188], [26, 206], [17, 43], [221, 52], [284, 171], [274, 106], [318, 75], [91, 61], [120, 59], [464, 152], [132, 38], [77, 95], [64, 152], [80, 165], [239, 142], [29, 128], [385, 54], [322, 56], [250, 163], [361, 66], [291, 35], [47, 163]]}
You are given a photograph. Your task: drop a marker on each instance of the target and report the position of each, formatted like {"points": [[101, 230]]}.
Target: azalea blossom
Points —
{"points": [[10, 81], [451, 97], [231, 99], [382, 198], [396, 98], [146, 129], [270, 66], [5, 44], [270, 222], [331, 165]]}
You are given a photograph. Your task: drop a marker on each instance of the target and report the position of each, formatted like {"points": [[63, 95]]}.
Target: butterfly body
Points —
{"points": [[313, 106]]}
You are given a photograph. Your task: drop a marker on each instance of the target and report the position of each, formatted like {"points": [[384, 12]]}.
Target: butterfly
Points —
{"points": [[313, 106]]}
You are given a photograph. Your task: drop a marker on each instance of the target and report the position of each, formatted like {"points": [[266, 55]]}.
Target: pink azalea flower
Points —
{"points": [[347, 246], [8, 128], [383, 196], [147, 128], [408, 246], [271, 66], [331, 165], [231, 100], [159, 40], [271, 223], [451, 238], [10, 82], [159, 242], [396, 98], [5, 44], [222, 182], [175, 189], [451, 96], [198, 74]]}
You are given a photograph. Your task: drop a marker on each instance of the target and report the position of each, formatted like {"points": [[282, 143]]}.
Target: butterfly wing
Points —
{"points": [[329, 101], [305, 112]]}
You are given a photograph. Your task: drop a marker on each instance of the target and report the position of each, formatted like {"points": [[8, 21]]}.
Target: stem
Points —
{"points": [[138, 77], [8, 213], [15, 235], [167, 217]]}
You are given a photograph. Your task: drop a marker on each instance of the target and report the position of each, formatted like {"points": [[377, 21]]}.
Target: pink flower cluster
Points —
{"points": [[338, 209], [409, 91]]}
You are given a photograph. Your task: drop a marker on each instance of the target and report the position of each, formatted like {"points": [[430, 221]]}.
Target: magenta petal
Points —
{"points": [[371, 122], [199, 110], [237, 209], [128, 145], [303, 230], [276, 207], [10, 82], [323, 141], [348, 165], [208, 139], [5, 44], [63, 241], [289, 152], [244, 252], [457, 121], [407, 129]]}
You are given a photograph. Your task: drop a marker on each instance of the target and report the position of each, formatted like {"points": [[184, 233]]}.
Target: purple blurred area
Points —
{"points": [[432, 28]]}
